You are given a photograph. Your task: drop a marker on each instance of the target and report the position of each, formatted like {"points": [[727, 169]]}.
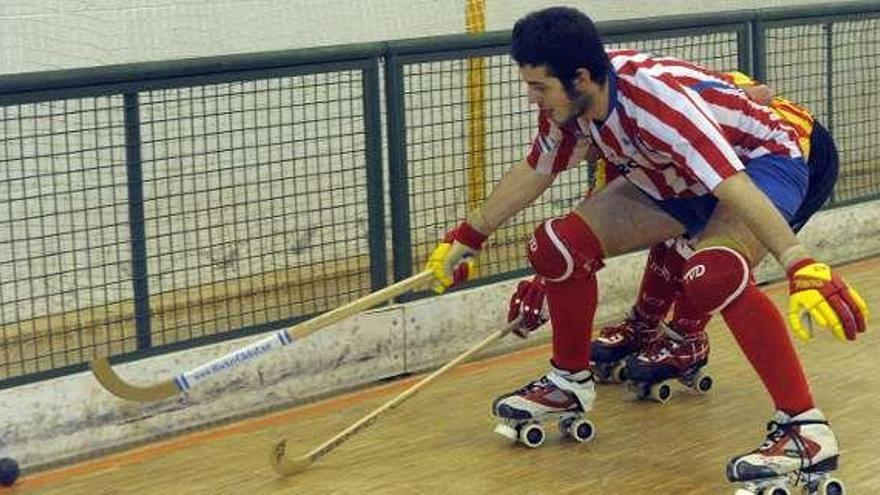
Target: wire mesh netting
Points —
{"points": [[64, 255], [831, 68], [256, 201], [255, 212]]}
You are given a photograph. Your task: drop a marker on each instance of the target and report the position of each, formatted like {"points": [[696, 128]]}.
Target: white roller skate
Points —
{"points": [[560, 395], [616, 343], [799, 453], [668, 359]]}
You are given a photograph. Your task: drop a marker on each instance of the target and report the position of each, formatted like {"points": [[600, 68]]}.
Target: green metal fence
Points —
{"points": [[827, 59], [151, 207], [157, 206]]}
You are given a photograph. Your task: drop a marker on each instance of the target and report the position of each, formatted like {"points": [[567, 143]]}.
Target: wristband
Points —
{"points": [[469, 236], [798, 265]]}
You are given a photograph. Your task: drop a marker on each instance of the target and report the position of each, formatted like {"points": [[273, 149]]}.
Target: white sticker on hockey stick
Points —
{"points": [[187, 380]]}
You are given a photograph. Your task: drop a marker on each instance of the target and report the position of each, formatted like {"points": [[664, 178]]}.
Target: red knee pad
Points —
{"points": [[563, 247], [713, 278]]}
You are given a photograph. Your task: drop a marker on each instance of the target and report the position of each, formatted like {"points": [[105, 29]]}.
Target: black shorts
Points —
{"points": [[824, 164]]}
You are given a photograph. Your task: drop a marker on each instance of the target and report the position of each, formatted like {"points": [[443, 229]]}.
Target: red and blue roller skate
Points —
{"points": [[667, 359]]}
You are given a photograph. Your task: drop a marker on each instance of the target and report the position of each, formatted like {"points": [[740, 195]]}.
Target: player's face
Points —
{"points": [[551, 97]]}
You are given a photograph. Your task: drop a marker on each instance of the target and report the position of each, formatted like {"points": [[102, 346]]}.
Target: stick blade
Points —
{"points": [[114, 384], [284, 465]]}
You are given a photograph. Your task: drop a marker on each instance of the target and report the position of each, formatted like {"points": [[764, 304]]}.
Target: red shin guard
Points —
{"points": [[661, 282], [763, 337], [572, 305], [688, 320], [566, 252], [719, 278]]}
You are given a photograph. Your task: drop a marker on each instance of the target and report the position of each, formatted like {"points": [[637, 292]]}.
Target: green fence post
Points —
{"points": [[137, 230], [759, 51], [398, 185], [829, 88], [375, 178], [744, 58]]}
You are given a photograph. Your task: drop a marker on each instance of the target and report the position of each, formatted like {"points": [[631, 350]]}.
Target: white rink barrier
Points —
{"points": [[72, 416]]}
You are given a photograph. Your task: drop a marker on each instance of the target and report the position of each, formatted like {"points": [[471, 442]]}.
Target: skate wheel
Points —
{"points": [[531, 435], [704, 383], [581, 430], [618, 373], [601, 372], [640, 390], [830, 486], [660, 392], [775, 490]]}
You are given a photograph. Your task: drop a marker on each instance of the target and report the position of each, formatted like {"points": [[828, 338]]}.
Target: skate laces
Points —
{"points": [[545, 386], [667, 341], [542, 383], [657, 348], [632, 327], [647, 333], [776, 431], [664, 342], [782, 431]]}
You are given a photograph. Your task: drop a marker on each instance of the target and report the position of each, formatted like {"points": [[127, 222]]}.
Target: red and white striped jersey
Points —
{"points": [[674, 129]]}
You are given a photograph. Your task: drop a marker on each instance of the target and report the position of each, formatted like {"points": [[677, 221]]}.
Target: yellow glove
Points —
{"points": [[452, 260], [817, 293]]}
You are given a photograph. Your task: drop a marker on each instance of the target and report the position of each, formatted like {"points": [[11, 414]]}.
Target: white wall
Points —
{"points": [[40, 35]]}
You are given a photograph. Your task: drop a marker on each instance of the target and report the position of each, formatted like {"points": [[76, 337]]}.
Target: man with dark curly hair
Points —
{"points": [[696, 157]]}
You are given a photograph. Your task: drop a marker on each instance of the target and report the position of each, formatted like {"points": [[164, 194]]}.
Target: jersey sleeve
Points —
{"points": [[555, 149], [680, 125]]}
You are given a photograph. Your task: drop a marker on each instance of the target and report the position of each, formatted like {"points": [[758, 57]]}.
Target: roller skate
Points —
{"points": [[616, 343], [559, 395], [799, 453], [668, 358]]}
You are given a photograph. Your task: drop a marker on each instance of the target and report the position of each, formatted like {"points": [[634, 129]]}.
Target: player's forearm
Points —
{"points": [[764, 220], [519, 187]]}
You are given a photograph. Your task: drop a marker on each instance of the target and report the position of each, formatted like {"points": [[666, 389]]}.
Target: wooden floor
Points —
{"points": [[441, 441]]}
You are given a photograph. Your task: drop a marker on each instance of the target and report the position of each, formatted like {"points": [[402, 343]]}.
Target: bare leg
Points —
{"points": [[625, 220]]}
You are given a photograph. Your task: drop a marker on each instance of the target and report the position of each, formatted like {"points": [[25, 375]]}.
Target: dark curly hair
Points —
{"points": [[561, 39]]}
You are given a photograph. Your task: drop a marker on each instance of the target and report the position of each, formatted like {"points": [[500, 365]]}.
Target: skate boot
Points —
{"points": [[559, 395], [668, 358], [616, 343], [799, 452]]}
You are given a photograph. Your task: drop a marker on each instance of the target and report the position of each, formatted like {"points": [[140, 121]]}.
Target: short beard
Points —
{"points": [[580, 102]]}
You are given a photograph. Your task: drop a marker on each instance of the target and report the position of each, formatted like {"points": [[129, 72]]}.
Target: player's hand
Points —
{"points": [[760, 94], [452, 260], [818, 294], [528, 304]]}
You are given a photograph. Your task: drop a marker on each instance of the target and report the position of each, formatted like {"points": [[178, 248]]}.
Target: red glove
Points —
{"points": [[527, 304]]}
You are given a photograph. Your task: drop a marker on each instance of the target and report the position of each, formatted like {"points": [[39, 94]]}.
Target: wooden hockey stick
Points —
{"points": [[286, 466], [111, 381]]}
